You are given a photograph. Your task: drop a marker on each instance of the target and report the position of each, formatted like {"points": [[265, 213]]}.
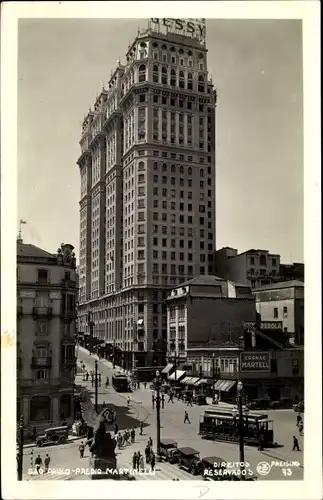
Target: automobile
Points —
{"points": [[258, 404], [211, 468], [188, 458], [200, 399], [282, 403], [53, 435], [299, 407], [168, 450]]}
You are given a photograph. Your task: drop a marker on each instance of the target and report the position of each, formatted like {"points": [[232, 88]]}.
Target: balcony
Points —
{"points": [[42, 312], [68, 283], [41, 362], [68, 314]]}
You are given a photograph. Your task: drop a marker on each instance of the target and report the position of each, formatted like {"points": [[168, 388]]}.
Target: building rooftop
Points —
{"points": [[28, 250], [281, 284], [208, 280]]}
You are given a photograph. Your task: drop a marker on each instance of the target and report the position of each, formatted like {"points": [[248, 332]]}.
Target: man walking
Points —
{"points": [[296, 445], [81, 449], [163, 400], [38, 463], [170, 398], [152, 460], [141, 428], [186, 419], [47, 462]]}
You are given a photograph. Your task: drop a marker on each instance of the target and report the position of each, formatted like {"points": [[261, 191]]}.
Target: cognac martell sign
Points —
{"points": [[194, 28], [254, 362]]}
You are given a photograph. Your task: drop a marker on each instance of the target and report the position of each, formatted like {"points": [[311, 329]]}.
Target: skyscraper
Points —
{"points": [[147, 165]]}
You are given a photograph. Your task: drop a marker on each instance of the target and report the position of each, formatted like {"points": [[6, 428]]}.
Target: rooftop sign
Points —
{"points": [[265, 325], [192, 28]]}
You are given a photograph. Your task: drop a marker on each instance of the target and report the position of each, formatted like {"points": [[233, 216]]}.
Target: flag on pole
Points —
{"points": [[23, 221]]}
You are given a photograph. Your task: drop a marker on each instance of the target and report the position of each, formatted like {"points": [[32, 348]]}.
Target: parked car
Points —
{"points": [[188, 458], [299, 407], [54, 435], [168, 450], [200, 399], [258, 404], [282, 403], [211, 468]]}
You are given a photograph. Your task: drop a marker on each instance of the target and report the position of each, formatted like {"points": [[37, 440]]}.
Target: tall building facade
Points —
{"points": [[147, 166], [46, 298]]}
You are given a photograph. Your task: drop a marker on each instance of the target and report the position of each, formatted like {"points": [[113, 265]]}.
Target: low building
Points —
{"points": [[205, 310], [283, 302], [46, 314], [289, 272], [253, 268]]}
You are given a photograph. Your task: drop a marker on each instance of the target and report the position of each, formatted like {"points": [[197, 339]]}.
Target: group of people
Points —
{"points": [[39, 463], [125, 438], [150, 455]]}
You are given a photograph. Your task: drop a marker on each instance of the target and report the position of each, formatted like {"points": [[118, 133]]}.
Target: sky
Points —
{"points": [[256, 67]]}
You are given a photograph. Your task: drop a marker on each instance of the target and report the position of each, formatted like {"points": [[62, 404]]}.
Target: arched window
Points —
{"points": [[155, 74], [141, 165], [189, 81], [155, 165], [201, 84], [173, 78], [164, 76], [181, 83], [41, 352], [40, 409], [181, 169], [201, 172], [164, 167], [142, 73], [173, 169]]}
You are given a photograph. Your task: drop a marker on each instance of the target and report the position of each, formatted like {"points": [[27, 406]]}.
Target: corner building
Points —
{"points": [[147, 209]]}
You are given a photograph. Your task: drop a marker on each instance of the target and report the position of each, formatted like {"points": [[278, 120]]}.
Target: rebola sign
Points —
{"points": [[190, 27]]}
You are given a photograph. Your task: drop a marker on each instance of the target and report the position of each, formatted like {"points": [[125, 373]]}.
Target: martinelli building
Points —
{"points": [[147, 208]]}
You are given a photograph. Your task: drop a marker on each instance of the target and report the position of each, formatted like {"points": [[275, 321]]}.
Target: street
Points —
{"points": [[172, 426]]}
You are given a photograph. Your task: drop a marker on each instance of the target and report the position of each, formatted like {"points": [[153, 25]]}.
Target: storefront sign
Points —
{"points": [[265, 325], [254, 362], [194, 28]]}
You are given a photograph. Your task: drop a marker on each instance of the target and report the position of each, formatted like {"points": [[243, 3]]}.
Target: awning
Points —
{"points": [[185, 380], [201, 381], [224, 385], [167, 368], [193, 381], [179, 374]]}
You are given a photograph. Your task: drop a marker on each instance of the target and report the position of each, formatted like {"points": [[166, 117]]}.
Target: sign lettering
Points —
{"points": [[194, 28], [265, 325], [254, 362]]}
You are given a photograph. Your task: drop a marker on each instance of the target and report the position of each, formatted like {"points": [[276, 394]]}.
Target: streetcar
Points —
{"points": [[225, 427], [121, 383]]}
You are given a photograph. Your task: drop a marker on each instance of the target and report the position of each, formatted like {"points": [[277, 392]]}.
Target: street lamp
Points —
{"points": [[239, 412], [158, 413], [21, 449], [213, 373]]}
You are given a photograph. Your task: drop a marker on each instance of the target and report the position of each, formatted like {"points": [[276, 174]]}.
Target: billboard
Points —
{"points": [[255, 361], [265, 325], [192, 28]]}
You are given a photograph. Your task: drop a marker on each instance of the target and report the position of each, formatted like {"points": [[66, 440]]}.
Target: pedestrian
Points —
{"points": [[47, 462], [299, 419], [295, 444], [186, 419], [107, 382], [128, 436], [163, 400], [170, 398], [128, 401], [133, 435], [34, 434], [141, 463], [116, 429], [38, 463], [261, 442], [150, 442], [134, 460], [145, 384], [153, 400], [141, 428], [300, 428], [147, 453], [189, 400], [100, 379], [152, 460], [81, 449]]}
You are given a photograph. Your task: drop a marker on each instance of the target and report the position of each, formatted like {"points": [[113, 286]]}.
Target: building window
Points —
{"points": [[285, 312], [263, 261], [164, 76], [155, 73], [142, 73], [40, 409], [275, 312], [42, 276]]}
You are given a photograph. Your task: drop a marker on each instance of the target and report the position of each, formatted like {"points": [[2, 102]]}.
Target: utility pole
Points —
{"points": [[21, 449], [96, 385], [158, 414]]}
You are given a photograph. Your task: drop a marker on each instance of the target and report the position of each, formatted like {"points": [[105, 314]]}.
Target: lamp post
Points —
{"points": [[158, 413], [239, 412], [21, 449], [213, 374], [96, 385]]}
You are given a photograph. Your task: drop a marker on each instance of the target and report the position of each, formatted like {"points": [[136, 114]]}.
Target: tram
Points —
{"points": [[222, 426], [121, 383]]}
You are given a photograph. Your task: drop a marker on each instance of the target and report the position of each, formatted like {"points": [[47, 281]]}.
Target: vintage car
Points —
{"points": [[258, 404], [299, 407], [188, 458], [168, 450], [282, 403], [54, 435], [200, 399], [210, 468]]}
